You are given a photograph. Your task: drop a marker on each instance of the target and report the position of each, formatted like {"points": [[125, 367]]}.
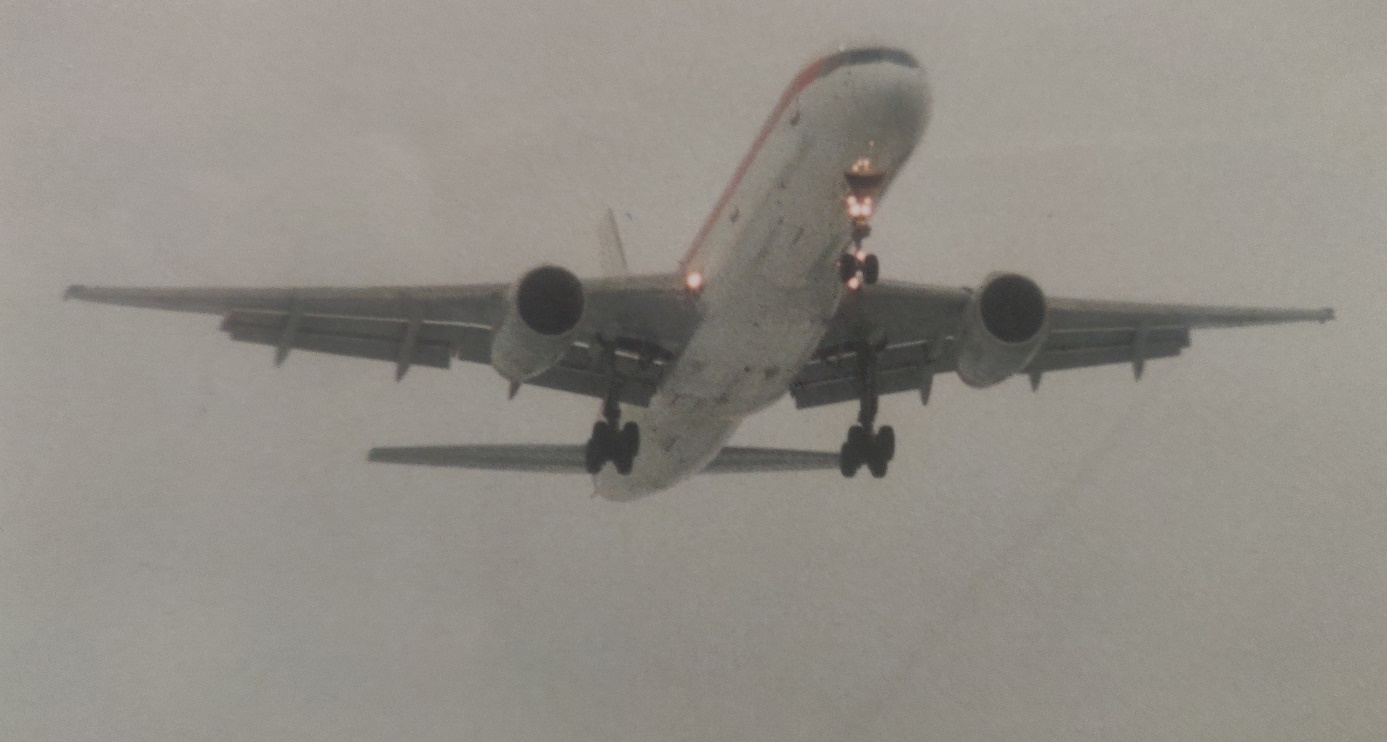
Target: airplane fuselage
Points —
{"points": [[767, 256]]}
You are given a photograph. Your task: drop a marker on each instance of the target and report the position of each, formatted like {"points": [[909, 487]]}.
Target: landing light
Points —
{"points": [[694, 281], [859, 207], [854, 283]]}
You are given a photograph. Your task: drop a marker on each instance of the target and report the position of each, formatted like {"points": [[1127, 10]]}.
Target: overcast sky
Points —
{"points": [[192, 545]]}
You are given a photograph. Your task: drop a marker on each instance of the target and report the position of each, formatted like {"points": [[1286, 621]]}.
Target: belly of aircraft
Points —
{"points": [[770, 281]]}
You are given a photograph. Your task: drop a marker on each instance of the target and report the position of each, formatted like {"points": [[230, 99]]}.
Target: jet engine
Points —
{"points": [[1004, 325], [543, 310]]}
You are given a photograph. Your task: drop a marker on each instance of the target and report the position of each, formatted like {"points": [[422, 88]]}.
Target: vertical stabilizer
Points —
{"points": [[613, 254]]}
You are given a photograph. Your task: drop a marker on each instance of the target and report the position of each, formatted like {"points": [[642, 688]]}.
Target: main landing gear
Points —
{"points": [[612, 441], [857, 266], [876, 448]]}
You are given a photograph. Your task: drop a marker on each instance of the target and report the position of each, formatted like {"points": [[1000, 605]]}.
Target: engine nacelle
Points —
{"points": [[1004, 326], [543, 310]]}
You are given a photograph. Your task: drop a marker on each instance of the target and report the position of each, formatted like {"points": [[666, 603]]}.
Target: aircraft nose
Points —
{"points": [[887, 97], [895, 103]]}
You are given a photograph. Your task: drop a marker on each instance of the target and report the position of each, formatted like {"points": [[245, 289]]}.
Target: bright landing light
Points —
{"points": [[694, 281], [859, 207]]}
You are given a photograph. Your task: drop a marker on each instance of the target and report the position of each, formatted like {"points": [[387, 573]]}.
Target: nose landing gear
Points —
{"points": [[857, 266], [876, 448]]}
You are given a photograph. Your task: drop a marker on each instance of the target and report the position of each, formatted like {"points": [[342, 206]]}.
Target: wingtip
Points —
{"points": [[73, 291], [1326, 314]]}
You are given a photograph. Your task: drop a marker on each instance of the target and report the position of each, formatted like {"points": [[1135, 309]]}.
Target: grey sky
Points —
{"points": [[195, 548]]}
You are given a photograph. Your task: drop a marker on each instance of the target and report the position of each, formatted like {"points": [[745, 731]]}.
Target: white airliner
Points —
{"points": [[776, 294]]}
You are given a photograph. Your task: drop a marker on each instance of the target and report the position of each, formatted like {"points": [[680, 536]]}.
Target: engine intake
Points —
{"points": [[1004, 325], [543, 311], [550, 300]]}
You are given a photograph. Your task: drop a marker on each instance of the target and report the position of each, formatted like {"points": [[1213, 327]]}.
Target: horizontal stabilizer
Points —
{"points": [[534, 457], [569, 459], [733, 460]]}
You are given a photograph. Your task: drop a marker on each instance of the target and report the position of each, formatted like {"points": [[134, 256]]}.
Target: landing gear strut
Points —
{"points": [[876, 448], [612, 441], [857, 266]]}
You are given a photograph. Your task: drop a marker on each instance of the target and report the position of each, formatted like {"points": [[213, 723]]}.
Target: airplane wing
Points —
{"points": [[915, 328], [648, 318], [569, 459]]}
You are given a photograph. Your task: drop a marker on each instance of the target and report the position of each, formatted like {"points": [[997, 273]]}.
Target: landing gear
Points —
{"points": [[847, 267], [612, 441], [871, 268], [858, 267], [865, 448], [609, 443], [876, 448]]}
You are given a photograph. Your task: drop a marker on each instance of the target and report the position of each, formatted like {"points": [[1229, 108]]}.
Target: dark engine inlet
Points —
{"points": [[550, 300], [1012, 308]]}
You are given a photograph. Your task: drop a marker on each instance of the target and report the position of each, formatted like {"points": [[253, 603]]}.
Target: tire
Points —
{"points": [[871, 269], [599, 448], [603, 437], [886, 443], [624, 448], [847, 267], [860, 442], [876, 465], [592, 457], [631, 439], [847, 462]]}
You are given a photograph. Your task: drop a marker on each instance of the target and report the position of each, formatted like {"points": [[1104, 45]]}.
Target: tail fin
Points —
{"points": [[613, 254]]}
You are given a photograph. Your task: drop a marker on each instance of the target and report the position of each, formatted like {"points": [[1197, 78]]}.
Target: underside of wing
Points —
{"points": [[630, 328], [911, 332], [1085, 332], [1086, 314], [896, 312], [563, 459]]}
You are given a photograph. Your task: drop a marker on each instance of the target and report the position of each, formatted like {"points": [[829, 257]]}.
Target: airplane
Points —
{"points": [[776, 295]]}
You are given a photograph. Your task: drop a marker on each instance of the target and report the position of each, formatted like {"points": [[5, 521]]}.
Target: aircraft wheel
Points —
{"points": [[859, 440], [886, 443], [856, 451], [599, 447], [871, 269], [624, 448], [593, 458], [876, 464], [847, 460], [847, 267], [631, 439]]}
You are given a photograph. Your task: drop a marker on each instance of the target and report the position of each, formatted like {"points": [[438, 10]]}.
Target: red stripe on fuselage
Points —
{"points": [[797, 86]]}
